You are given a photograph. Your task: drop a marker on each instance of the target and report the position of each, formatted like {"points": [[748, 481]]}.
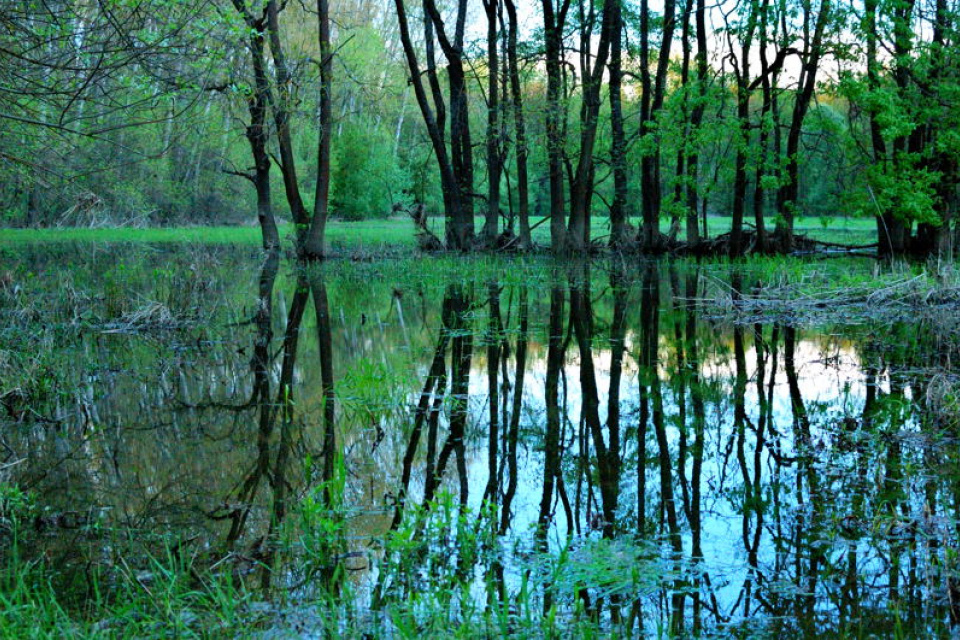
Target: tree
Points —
{"points": [[452, 196], [489, 233], [581, 188], [310, 228], [554, 24], [519, 125], [259, 101], [813, 50], [654, 91], [618, 152]]}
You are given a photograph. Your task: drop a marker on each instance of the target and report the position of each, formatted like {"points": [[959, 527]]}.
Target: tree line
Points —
{"points": [[517, 113]]}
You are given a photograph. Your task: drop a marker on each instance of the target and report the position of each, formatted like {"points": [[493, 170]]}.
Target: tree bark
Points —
{"points": [[554, 23], [258, 135], [696, 119], [680, 190], [281, 115], [582, 188], [491, 224], [452, 197], [461, 146], [654, 91], [766, 112], [520, 129], [313, 246], [742, 68], [618, 151], [788, 196]]}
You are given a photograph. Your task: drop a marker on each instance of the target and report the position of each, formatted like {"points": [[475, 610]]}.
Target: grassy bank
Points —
{"points": [[393, 232]]}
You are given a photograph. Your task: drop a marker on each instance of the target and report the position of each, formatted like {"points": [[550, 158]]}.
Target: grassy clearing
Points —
{"points": [[370, 233], [393, 233]]}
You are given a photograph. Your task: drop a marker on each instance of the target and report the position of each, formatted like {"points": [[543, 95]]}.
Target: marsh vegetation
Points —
{"points": [[479, 318]]}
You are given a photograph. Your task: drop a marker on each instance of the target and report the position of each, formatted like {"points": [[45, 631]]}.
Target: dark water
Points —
{"points": [[445, 438]]}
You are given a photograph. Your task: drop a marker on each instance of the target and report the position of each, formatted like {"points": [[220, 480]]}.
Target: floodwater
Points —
{"points": [[602, 446]]}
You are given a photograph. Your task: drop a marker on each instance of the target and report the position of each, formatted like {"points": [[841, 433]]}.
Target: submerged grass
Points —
{"points": [[172, 594]]}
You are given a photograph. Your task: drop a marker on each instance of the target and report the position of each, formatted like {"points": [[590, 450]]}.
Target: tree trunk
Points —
{"points": [[448, 181], [553, 26], [313, 247], [520, 133], [679, 194], [491, 225], [654, 91], [281, 115], [765, 112], [582, 188], [461, 148], [788, 197], [258, 135], [735, 247], [696, 118], [618, 151]]}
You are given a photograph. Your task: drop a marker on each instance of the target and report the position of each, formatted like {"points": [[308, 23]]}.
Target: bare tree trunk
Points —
{"points": [[936, 238], [742, 68], [313, 247], [680, 192], [490, 227], [520, 130], [618, 151], [257, 132], [452, 196], [762, 143], [281, 116], [554, 23], [461, 147], [653, 97], [582, 188], [649, 189], [696, 118]]}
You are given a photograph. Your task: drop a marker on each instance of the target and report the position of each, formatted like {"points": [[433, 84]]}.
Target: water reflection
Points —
{"points": [[591, 444], [277, 412]]}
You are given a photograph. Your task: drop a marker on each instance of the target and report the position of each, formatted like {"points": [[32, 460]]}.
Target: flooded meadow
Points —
{"points": [[201, 441]]}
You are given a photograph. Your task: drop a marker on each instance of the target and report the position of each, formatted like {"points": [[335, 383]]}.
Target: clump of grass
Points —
{"points": [[149, 314], [943, 400]]}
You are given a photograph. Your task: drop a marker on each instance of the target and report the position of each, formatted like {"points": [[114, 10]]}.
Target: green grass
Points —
{"points": [[393, 232], [365, 233]]}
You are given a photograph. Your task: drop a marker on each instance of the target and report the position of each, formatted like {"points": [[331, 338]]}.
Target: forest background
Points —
{"points": [[647, 120]]}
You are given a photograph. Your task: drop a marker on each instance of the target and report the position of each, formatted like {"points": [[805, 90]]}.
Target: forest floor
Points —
{"points": [[398, 232]]}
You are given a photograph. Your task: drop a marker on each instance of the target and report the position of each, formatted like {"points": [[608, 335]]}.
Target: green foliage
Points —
{"points": [[367, 180], [905, 190], [15, 505]]}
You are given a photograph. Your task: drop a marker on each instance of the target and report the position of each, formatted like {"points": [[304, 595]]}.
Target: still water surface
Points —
{"points": [[601, 440]]}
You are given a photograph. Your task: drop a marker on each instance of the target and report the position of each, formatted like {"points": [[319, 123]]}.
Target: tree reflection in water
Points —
{"points": [[585, 445]]}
